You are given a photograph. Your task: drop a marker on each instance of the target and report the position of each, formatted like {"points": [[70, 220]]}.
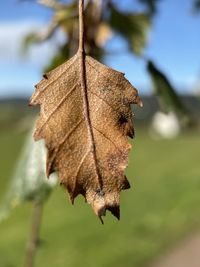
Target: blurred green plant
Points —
{"points": [[151, 4], [197, 5], [168, 98], [132, 27], [29, 181]]}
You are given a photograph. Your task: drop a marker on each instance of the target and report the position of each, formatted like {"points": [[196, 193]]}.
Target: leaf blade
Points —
{"points": [[86, 134]]}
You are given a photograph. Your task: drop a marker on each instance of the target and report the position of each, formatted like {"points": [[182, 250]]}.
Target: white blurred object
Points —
{"points": [[166, 125]]}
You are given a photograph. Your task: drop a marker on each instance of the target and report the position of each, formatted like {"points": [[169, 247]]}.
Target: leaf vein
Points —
{"points": [[79, 168], [103, 99], [62, 142], [106, 77], [106, 137], [57, 107], [49, 84]]}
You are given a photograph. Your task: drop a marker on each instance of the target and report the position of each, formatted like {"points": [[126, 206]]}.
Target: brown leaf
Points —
{"points": [[85, 128]]}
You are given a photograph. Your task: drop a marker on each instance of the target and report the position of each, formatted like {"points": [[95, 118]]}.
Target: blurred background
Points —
{"points": [[156, 44]]}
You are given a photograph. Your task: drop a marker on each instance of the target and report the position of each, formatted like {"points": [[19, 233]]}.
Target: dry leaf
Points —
{"points": [[86, 129]]}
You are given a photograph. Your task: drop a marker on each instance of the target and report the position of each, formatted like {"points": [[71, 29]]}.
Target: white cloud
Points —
{"points": [[12, 35], [19, 73]]}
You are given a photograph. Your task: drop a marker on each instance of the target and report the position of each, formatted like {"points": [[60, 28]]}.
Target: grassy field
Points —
{"points": [[162, 206]]}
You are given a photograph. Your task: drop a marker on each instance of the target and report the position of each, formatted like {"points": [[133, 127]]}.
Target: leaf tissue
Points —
{"points": [[85, 118]]}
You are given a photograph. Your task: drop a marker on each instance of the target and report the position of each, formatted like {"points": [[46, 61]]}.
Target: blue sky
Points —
{"points": [[174, 43]]}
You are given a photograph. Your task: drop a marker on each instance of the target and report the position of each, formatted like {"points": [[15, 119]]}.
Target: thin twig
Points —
{"points": [[34, 236]]}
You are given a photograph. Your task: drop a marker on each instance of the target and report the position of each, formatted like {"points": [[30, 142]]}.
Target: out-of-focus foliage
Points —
{"points": [[102, 20], [169, 99], [29, 181], [151, 4], [197, 5], [133, 27]]}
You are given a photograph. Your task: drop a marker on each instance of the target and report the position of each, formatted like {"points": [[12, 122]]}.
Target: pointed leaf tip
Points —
{"points": [[115, 210], [140, 103], [101, 220]]}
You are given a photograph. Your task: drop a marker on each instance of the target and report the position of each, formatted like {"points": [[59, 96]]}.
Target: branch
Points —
{"points": [[34, 236]]}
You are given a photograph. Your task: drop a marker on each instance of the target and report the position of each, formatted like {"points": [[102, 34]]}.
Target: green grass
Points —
{"points": [[161, 207]]}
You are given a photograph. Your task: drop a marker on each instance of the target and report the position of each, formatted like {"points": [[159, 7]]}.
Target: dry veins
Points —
{"points": [[85, 127]]}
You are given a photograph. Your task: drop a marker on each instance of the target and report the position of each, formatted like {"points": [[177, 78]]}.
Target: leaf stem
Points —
{"points": [[81, 26], [83, 81]]}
